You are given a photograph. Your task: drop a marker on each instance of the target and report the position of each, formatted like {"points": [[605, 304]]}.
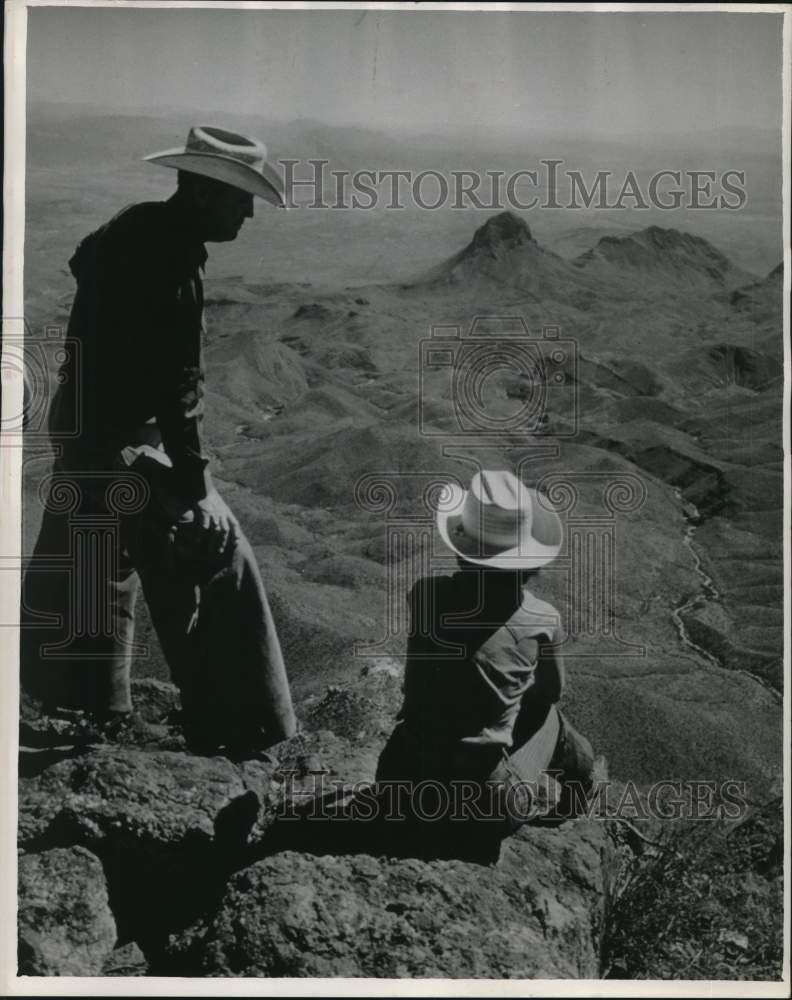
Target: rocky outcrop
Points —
{"points": [[154, 862], [503, 253], [126, 960], [744, 367], [108, 793], [65, 924], [501, 233], [168, 863], [165, 825], [538, 914]]}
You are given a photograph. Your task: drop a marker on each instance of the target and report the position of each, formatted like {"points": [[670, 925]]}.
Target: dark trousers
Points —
{"points": [[103, 536]]}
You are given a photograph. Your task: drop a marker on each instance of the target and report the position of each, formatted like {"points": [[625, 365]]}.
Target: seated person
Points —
{"points": [[483, 672]]}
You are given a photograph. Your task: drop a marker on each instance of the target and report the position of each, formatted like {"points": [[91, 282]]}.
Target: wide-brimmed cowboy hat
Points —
{"points": [[238, 160], [499, 522]]}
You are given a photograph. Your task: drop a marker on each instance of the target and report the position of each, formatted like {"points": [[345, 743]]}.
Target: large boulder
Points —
{"points": [[161, 797], [165, 824], [65, 925], [538, 913]]}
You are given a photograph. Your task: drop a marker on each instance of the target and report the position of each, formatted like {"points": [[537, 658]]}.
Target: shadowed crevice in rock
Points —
{"points": [[340, 835], [33, 762], [152, 898]]}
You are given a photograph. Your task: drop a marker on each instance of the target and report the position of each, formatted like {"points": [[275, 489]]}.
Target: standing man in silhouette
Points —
{"points": [[134, 390]]}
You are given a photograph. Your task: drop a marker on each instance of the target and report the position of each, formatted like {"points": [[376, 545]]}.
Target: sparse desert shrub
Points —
{"points": [[707, 905]]}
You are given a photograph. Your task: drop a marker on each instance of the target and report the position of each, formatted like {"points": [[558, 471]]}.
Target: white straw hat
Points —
{"points": [[499, 522], [237, 160]]}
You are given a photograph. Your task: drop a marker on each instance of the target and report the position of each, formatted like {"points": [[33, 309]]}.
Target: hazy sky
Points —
{"points": [[599, 73]]}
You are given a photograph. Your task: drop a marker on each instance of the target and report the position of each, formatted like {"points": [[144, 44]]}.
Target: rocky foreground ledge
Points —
{"points": [[138, 858]]}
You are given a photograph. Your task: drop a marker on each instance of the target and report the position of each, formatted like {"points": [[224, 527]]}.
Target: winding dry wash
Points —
{"points": [[707, 590]]}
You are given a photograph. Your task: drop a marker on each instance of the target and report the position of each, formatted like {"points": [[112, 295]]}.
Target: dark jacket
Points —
{"points": [[137, 318]]}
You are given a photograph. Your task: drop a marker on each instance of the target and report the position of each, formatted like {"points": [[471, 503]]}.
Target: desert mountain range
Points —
{"points": [[677, 381], [329, 425]]}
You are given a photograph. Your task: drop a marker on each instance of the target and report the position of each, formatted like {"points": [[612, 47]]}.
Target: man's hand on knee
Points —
{"points": [[217, 524]]}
